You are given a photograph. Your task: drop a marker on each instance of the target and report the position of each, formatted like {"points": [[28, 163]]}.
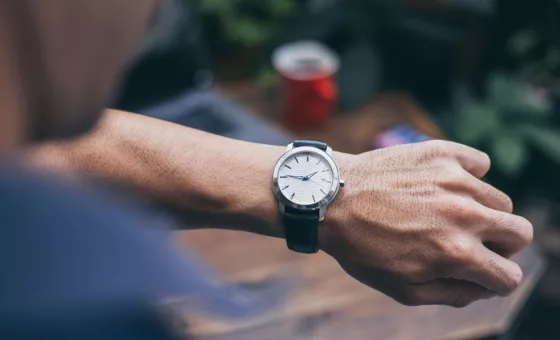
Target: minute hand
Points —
{"points": [[306, 178]]}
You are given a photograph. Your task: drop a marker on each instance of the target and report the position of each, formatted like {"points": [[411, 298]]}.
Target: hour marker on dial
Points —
{"points": [[296, 160], [314, 200], [286, 187], [287, 166], [323, 191], [293, 195]]}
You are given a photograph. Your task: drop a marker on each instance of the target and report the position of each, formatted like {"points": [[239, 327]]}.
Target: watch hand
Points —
{"points": [[306, 178], [298, 177]]}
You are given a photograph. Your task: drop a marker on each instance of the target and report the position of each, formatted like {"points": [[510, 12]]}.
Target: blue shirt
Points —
{"points": [[78, 264]]}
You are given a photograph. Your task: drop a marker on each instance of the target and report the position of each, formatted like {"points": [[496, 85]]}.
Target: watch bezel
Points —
{"points": [[333, 190]]}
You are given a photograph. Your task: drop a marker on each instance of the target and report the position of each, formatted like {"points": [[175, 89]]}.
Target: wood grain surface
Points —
{"points": [[328, 304]]}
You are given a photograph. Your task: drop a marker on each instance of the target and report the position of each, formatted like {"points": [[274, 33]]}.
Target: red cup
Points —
{"points": [[309, 92]]}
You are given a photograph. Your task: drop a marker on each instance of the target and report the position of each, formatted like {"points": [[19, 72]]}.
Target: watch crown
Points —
{"points": [[341, 183]]}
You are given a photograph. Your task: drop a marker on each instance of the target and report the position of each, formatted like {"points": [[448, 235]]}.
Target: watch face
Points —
{"points": [[306, 178]]}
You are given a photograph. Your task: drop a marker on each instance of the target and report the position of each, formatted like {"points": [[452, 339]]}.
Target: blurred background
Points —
{"points": [[378, 73]]}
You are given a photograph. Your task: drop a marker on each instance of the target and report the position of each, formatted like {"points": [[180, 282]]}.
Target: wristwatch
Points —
{"points": [[305, 180]]}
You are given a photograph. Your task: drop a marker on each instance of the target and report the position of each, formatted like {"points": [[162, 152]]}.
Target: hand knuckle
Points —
{"points": [[450, 205], [512, 280], [484, 160], [450, 177], [474, 214], [461, 210], [458, 251], [495, 195], [509, 278], [503, 199], [520, 230], [526, 231], [439, 149], [498, 222], [487, 159]]}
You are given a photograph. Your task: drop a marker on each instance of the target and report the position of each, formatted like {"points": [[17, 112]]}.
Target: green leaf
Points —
{"points": [[281, 8], [266, 77], [513, 98], [509, 154], [522, 43], [476, 123], [532, 103], [502, 89], [248, 31], [552, 58], [214, 6], [547, 140]]}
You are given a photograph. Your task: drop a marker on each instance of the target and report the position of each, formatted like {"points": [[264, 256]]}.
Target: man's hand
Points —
{"points": [[417, 223]]}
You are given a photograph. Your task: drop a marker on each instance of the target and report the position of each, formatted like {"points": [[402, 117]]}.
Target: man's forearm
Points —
{"points": [[414, 221], [212, 181]]}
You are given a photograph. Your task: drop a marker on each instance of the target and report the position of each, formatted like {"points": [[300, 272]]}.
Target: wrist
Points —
{"points": [[257, 201], [337, 212]]}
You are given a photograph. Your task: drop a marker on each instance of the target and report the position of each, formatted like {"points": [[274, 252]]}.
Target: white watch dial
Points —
{"points": [[305, 178]]}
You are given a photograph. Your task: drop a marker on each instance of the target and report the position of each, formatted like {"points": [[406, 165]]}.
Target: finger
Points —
{"points": [[491, 271], [489, 196], [475, 162], [483, 193], [507, 234], [449, 292], [492, 198]]}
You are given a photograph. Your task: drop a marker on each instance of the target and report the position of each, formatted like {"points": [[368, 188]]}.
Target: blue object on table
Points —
{"points": [[400, 134]]}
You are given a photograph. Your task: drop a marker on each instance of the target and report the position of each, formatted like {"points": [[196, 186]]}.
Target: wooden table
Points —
{"points": [[349, 132], [329, 304]]}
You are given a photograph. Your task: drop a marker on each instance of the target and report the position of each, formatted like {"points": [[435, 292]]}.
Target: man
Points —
{"points": [[414, 222]]}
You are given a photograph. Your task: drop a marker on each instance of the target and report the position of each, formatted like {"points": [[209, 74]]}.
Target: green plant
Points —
{"points": [[247, 22], [535, 47], [512, 119], [538, 61]]}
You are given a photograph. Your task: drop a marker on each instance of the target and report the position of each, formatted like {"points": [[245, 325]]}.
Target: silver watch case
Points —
{"points": [[284, 201]]}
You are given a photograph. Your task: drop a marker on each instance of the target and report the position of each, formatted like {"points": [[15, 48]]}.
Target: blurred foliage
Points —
{"points": [[247, 22], [535, 48], [363, 19], [231, 27], [513, 118], [266, 77], [240, 29], [254, 22]]}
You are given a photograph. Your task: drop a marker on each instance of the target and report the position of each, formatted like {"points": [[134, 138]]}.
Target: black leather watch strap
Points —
{"points": [[302, 226], [312, 143], [301, 230]]}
